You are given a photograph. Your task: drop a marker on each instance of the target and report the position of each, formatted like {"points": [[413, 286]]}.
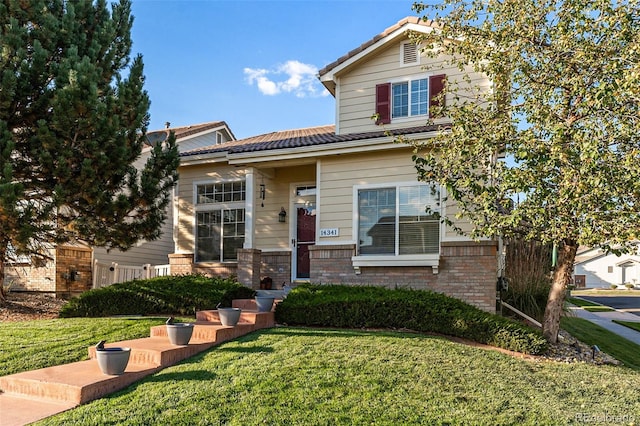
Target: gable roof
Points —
{"points": [[299, 138], [326, 74], [193, 129]]}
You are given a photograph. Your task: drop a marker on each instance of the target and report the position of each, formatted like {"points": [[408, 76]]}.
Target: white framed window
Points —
{"points": [[410, 98], [397, 223], [220, 220], [413, 96]]}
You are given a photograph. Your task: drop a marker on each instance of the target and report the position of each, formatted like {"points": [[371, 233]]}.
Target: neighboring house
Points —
{"points": [[594, 268], [71, 268], [336, 204]]}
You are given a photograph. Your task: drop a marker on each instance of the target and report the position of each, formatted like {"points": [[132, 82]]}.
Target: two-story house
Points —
{"points": [[338, 203]]}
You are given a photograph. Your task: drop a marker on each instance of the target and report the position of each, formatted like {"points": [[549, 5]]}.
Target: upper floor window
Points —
{"points": [[408, 98]]}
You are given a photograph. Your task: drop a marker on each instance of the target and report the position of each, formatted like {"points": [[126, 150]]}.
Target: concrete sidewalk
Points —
{"points": [[605, 320]]}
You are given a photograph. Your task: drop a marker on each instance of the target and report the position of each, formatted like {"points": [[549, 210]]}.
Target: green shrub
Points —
{"points": [[181, 294], [614, 286], [630, 286], [425, 311]]}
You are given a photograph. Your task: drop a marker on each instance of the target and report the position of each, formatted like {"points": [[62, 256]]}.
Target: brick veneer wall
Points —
{"points": [[277, 266], [78, 259], [181, 263], [53, 277], [249, 267], [24, 277], [467, 271]]}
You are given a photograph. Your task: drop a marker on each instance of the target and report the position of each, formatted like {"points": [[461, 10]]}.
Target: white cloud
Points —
{"points": [[301, 80]]}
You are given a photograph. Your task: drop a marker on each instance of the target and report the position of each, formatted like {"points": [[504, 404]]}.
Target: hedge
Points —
{"points": [[178, 294], [419, 310]]}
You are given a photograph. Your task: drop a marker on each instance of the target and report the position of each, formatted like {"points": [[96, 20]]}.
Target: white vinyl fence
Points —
{"points": [[105, 274]]}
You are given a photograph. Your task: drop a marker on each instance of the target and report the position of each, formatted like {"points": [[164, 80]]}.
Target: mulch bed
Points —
{"points": [[29, 306]]}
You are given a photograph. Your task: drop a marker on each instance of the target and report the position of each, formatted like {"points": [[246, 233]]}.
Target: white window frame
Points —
{"points": [[215, 206], [394, 259], [408, 80]]}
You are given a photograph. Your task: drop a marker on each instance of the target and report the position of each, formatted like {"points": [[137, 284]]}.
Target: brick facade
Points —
{"points": [[69, 273], [467, 270], [277, 266]]}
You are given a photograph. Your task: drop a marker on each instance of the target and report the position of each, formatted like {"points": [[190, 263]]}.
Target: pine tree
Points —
{"points": [[73, 117]]}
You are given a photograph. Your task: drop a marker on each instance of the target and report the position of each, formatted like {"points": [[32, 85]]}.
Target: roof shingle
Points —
{"points": [[311, 136]]}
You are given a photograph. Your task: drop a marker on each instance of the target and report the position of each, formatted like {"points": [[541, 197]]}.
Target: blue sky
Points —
{"points": [[250, 63]]}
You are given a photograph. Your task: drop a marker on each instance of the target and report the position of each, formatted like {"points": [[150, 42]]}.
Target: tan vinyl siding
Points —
{"points": [[339, 176], [357, 88], [271, 234], [186, 210]]}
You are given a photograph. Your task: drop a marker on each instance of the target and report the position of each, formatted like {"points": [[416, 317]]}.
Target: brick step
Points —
{"points": [[18, 410], [250, 304], [156, 351], [75, 383], [207, 332], [59, 388], [257, 319]]}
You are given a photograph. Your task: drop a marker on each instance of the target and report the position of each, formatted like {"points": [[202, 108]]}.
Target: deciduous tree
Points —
{"points": [[551, 152], [73, 117]]}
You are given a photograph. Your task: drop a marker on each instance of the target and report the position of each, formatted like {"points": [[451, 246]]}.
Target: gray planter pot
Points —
{"points": [[229, 316], [264, 303], [113, 361], [180, 333]]}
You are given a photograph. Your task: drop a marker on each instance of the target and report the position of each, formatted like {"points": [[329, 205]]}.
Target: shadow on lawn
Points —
{"points": [[347, 332], [181, 375]]}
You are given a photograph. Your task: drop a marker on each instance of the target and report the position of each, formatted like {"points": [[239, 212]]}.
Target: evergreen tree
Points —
{"points": [[564, 110], [73, 119]]}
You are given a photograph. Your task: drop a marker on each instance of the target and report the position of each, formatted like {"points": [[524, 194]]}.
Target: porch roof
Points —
{"points": [[297, 138]]}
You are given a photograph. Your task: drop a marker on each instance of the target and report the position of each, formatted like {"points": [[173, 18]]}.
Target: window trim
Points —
{"points": [[384, 97], [409, 79], [358, 260], [216, 206]]}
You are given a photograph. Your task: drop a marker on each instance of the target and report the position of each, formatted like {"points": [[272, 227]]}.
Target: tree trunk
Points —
{"points": [[3, 294], [561, 279]]}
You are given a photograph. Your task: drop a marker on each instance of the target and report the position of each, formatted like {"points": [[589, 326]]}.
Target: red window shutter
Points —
{"points": [[436, 86], [383, 103]]}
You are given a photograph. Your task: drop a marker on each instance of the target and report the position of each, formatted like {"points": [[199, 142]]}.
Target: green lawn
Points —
{"points": [[598, 309], [581, 302], [327, 377], [633, 325], [29, 345], [592, 334], [295, 376]]}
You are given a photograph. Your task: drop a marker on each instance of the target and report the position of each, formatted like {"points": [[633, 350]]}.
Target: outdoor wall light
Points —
{"points": [[282, 216], [263, 193]]}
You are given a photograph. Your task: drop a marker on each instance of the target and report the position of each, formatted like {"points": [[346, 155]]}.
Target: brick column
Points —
{"points": [[249, 267], [181, 263]]}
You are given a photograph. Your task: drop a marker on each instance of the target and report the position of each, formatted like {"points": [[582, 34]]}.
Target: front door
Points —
{"points": [[305, 237], [303, 230]]}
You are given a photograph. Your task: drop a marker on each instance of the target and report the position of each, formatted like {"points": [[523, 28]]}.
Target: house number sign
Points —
{"points": [[329, 232]]}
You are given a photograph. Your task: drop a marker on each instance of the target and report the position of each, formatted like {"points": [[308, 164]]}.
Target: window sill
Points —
{"points": [[432, 260]]}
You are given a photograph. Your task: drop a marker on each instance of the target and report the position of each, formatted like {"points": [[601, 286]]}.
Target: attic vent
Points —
{"points": [[409, 54]]}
